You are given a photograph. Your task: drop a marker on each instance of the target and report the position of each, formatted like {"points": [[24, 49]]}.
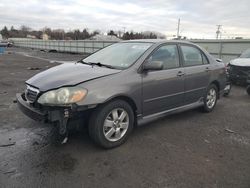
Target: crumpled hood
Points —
{"points": [[244, 62], [68, 75]]}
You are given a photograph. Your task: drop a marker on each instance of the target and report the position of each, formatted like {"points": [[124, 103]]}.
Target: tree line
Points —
{"points": [[77, 34]]}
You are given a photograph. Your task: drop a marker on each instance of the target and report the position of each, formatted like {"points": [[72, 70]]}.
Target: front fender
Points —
{"points": [[119, 85]]}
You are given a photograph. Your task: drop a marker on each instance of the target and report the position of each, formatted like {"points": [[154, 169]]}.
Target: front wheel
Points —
{"points": [[111, 123], [211, 98]]}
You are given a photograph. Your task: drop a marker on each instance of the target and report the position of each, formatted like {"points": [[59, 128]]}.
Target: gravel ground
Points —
{"points": [[189, 149]]}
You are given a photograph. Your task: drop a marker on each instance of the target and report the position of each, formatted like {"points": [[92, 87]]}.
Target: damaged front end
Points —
{"points": [[239, 74], [41, 107]]}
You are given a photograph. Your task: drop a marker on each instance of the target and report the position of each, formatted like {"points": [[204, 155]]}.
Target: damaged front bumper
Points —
{"points": [[59, 115], [30, 111]]}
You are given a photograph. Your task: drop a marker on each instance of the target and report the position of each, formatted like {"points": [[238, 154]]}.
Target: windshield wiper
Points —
{"points": [[83, 62], [96, 64], [102, 65]]}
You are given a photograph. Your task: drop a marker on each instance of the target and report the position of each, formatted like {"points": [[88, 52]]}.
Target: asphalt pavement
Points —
{"points": [[190, 149]]}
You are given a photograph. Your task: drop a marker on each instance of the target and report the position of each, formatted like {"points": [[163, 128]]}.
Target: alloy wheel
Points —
{"points": [[116, 124], [211, 98]]}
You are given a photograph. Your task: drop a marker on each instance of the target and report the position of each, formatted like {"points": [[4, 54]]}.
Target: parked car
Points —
{"points": [[123, 85], [239, 68], [10, 44], [6, 43]]}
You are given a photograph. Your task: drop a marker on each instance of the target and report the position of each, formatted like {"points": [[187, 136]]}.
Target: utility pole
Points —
{"points": [[178, 29], [218, 32], [124, 29]]}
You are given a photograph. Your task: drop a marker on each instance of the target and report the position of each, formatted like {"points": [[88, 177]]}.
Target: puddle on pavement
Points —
{"points": [[27, 148], [24, 137]]}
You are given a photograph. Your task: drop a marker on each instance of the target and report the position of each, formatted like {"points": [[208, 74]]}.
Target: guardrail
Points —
{"points": [[73, 46], [223, 49]]}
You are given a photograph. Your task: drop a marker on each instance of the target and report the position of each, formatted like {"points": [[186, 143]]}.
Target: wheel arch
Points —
{"points": [[126, 98], [217, 84]]}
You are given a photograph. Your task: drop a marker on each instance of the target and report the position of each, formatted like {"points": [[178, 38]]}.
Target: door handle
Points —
{"points": [[180, 74], [207, 69]]}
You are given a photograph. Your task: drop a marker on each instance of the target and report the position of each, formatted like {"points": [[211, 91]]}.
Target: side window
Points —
{"points": [[168, 54], [205, 61], [192, 56]]}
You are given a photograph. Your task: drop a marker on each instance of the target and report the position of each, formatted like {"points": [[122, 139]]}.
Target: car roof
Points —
{"points": [[159, 41]]}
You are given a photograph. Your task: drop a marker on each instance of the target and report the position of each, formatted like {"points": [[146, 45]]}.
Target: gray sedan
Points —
{"points": [[123, 85]]}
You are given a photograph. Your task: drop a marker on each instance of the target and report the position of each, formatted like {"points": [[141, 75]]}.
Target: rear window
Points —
{"points": [[191, 55]]}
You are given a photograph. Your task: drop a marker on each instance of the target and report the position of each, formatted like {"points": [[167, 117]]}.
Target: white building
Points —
{"points": [[45, 36], [105, 37], [31, 36]]}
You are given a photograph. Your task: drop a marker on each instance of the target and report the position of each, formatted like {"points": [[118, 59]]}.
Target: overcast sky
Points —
{"points": [[198, 18]]}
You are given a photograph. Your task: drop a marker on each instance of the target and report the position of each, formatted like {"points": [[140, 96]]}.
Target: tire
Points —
{"points": [[248, 89], [119, 117], [210, 103]]}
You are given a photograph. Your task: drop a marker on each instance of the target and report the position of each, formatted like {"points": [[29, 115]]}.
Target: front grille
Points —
{"points": [[31, 94], [239, 70]]}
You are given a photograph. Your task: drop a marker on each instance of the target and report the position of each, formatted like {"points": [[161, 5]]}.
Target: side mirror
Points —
{"points": [[219, 60], [153, 65]]}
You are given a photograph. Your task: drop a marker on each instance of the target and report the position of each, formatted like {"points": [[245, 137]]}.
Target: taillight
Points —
{"points": [[227, 67]]}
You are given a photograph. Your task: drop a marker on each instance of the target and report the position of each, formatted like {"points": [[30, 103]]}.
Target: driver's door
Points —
{"points": [[163, 89]]}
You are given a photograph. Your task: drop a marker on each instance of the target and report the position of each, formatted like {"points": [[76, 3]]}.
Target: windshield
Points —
{"points": [[245, 54], [119, 55]]}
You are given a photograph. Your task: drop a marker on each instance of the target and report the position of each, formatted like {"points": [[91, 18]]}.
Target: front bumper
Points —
{"points": [[29, 110], [48, 114], [64, 117]]}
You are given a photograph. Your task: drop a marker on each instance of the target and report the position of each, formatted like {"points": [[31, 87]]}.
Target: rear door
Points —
{"points": [[163, 89], [197, 72]]}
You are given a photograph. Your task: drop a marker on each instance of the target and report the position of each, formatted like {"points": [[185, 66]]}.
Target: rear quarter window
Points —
{"points": [[205, 59]]}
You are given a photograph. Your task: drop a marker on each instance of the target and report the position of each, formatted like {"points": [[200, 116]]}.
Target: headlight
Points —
{"points": [[63, 96]]}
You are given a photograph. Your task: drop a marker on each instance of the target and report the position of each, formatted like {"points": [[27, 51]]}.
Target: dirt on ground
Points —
{"points": [[189, 149]]}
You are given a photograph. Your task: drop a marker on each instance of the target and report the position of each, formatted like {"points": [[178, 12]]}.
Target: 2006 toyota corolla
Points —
{"points": [[123, 85]]}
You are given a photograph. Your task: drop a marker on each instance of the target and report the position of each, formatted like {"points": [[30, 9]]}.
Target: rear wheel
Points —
{"points": [[111, 123], [211, 98]]}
